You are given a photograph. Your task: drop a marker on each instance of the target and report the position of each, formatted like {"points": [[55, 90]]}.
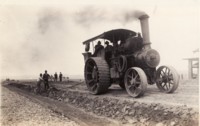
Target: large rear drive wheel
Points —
{"points": [[167, 79], [97, 75], [135, 81]]}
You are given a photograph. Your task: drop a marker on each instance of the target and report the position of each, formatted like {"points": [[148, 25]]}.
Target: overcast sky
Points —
{"points": [[42, 35]]}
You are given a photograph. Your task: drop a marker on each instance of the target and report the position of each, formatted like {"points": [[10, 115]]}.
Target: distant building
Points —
{"points": [[193, 66]]}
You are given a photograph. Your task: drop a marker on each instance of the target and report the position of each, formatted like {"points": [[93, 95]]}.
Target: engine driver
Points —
{"points": [[97, 48], [108, 52]]}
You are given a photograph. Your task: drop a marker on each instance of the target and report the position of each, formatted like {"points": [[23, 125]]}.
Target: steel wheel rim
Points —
{"points": [[166, 79], [91, 75], [133, 83]]}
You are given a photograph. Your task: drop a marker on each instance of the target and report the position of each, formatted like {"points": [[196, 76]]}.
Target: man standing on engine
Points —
{"points": [[97, 48], [108, 52], [46, 80]]}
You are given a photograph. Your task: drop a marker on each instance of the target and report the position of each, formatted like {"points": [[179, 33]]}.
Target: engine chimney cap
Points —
{"points": [[143, 16]]}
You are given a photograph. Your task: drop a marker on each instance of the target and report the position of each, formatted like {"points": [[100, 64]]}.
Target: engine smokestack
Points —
{"points": [[145, 31]]}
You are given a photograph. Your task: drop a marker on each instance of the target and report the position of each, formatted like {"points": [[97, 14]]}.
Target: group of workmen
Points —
{"points": [[108, 50], [55, 78], [99, 47], [45, 79]]}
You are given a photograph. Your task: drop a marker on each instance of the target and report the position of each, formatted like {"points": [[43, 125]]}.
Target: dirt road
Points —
{"points": [[65, 113], [17, 110], [187, 93], [155, 108]]}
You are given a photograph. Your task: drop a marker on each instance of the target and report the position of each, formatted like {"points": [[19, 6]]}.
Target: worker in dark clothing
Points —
{"points": [[108, 47], [108, 52], [55, 77], [46, 80], [60, 76], [97, 48]]}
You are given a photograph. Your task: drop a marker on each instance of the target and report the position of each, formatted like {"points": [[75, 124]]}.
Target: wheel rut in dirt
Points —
{"points": [[84, 119], [123, 110]]}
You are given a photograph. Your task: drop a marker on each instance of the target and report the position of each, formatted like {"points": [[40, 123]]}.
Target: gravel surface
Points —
{"points": [[126, 110], [17, 110]]}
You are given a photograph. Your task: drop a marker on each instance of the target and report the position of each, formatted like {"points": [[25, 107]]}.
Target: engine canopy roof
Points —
{"points": [[113, 35]]}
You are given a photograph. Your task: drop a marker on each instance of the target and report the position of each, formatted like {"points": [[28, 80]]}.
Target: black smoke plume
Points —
{"points": [[93, 15]]}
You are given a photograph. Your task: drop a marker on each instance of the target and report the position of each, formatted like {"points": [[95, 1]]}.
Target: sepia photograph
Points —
{"points": [[99, 63]]}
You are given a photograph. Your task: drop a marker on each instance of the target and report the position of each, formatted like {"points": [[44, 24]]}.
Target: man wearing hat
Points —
{"points": [[97, 48], [108, 52], [46, 80]]}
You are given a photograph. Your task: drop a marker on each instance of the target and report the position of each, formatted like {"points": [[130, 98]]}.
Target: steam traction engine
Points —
{"points": [[130, 62]]}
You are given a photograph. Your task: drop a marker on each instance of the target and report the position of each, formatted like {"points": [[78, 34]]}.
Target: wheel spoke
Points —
{"points": [[137, 82], [137, 90], [166, 86], [130, 82], [93, 87], [169, 85], [129, 86], [129, 76], [132, 88], [163, 85], [136, 77], [171, 82], [162, 73], [165, 70], [90, 82], [134, 73]]}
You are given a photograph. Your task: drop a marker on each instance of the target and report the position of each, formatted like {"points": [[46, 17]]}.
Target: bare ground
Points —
{"points": [[17, 110], [155, 108]]}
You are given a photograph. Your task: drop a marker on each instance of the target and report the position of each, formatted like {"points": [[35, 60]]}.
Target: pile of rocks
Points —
{"points": [[128, 111], [133, 112]]}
